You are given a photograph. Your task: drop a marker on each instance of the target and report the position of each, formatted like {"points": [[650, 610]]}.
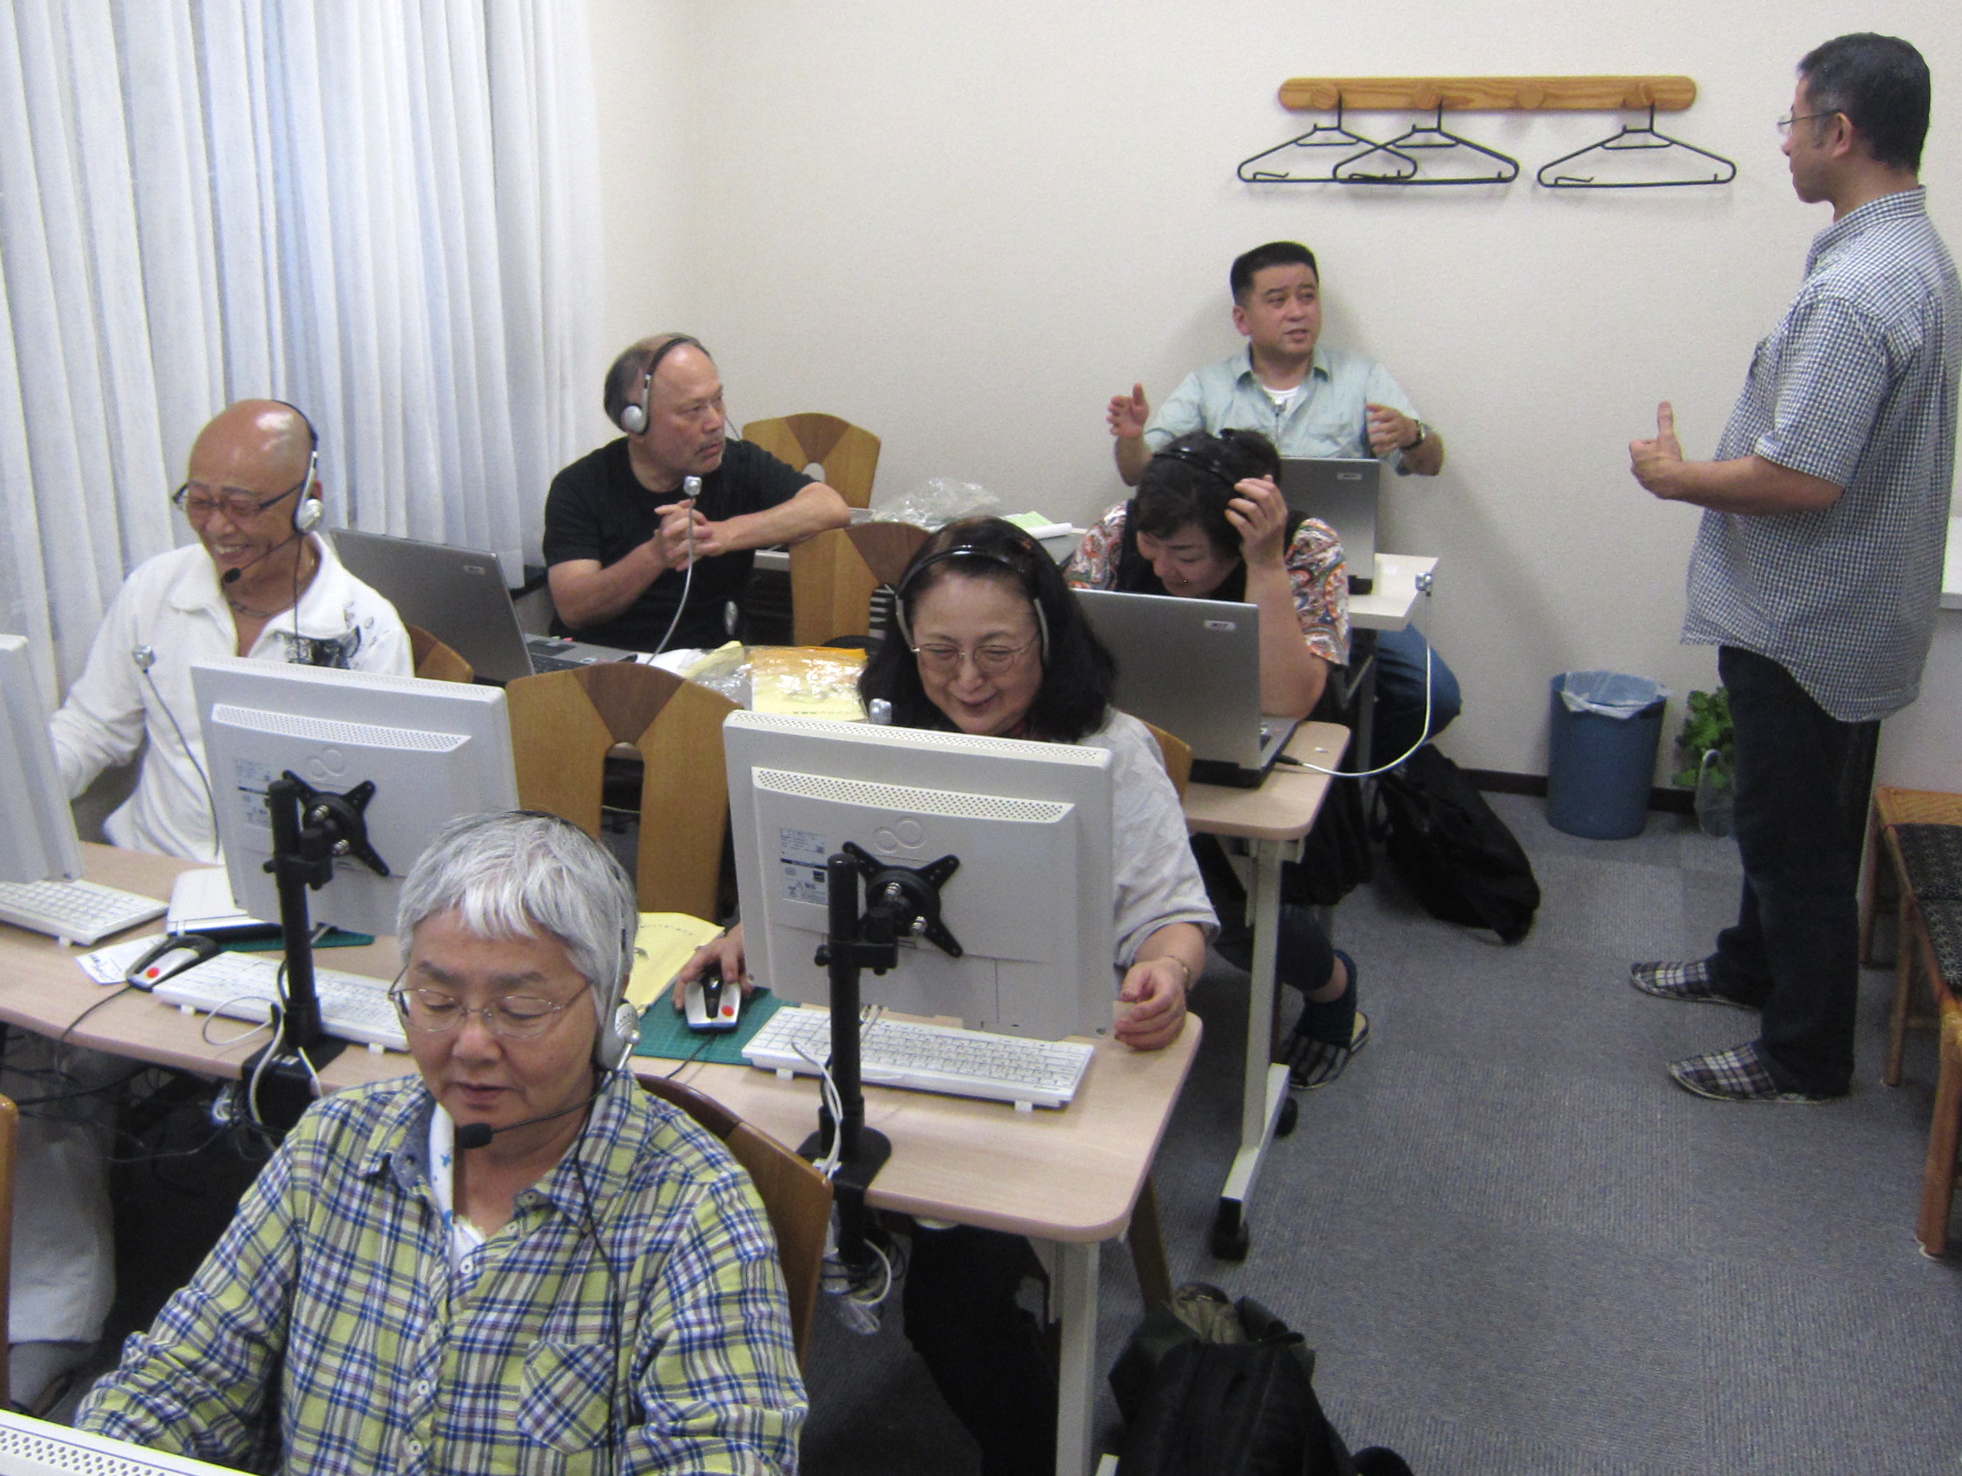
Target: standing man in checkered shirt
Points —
{"points": [[1818, 566]]}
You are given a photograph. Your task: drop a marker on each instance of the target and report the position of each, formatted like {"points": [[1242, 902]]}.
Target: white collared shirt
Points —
{"points": [[174, 605]]}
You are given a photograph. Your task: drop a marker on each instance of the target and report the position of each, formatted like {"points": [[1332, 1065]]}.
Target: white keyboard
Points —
{"points": [[930, 1058], [83, 912], [243, 986]]}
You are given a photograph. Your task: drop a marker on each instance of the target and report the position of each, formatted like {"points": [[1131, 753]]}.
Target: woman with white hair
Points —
{"points": [[515, 1260]]}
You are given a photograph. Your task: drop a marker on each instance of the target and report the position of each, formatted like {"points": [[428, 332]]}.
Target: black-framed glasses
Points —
{"points": [[238, 506], [513, 1016], [1784, 125], [944, 658]]}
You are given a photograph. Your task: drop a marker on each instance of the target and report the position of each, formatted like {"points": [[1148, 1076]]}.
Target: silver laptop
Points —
{"points": [[458, 595], [1343, 492], [1193, 668]]}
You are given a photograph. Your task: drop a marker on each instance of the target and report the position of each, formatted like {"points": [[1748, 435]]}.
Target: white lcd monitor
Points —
{"points": [[37, 829], [433, 751], [1031, 904]]}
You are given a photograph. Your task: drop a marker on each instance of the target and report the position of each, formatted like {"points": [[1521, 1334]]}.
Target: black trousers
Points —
{"points": [[1803, 778], [988, 1356]]}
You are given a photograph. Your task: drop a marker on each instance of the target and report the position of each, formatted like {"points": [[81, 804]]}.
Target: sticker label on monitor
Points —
{"points": [[252, 779], [801, 858]]}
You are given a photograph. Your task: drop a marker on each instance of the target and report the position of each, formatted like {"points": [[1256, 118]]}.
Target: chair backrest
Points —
{"points": [[1176, 753], [829, 592], [563, 724], [437, 662], [796, 1196], [847, 453], [9, 1145], [842, 571]]}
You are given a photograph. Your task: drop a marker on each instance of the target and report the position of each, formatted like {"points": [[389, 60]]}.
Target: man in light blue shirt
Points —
{"points": [[1309, 400]]}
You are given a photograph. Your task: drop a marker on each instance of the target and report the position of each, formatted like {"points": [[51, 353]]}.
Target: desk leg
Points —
{"points": [[1264, 1086], [1364, 746], [1074, 1292]]}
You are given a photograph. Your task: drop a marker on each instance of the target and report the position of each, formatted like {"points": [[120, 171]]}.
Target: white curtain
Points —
{"points": [[384, 211]]}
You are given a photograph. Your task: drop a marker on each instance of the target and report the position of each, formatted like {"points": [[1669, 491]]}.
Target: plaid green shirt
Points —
{"points": [[335, 1281]]}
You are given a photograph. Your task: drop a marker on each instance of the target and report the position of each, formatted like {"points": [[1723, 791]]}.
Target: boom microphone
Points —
{"points": [[479, 1134], [232, 576]]}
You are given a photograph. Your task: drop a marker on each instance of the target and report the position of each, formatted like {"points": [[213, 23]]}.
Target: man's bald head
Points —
{"points": [[255, 445]]}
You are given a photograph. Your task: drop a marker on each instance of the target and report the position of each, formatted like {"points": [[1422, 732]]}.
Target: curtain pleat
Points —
{"points": [[385, 211]]}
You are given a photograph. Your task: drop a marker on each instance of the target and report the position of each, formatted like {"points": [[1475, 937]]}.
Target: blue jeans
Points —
{"points": [[1400, 692], [1802, 783]]}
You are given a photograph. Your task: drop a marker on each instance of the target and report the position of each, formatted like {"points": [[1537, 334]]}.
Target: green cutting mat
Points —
{"points": [[664, 1033]]}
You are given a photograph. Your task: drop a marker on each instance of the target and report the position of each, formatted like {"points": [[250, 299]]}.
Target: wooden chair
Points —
{"points": [[1177, 754], [564, 723], [437, 662], [1881, 885], [872, 555], [829, 592], [1938, 1178], [9, 1146], [796, 1196]]}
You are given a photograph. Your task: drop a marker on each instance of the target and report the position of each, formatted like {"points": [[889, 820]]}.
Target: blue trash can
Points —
{"points": [[1606, 731]]}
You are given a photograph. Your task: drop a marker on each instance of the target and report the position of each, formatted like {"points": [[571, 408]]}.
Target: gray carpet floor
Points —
{"points": [[1517, 1246]]}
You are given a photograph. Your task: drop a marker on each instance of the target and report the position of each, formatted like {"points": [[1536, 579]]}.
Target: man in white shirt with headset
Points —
{"points": [[259, 583]]}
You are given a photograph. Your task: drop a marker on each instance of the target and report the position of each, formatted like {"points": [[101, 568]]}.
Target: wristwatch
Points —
{"points": [[1423, 434]]}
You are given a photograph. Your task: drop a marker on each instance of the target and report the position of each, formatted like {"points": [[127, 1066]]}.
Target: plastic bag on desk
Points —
{"points": [[724, 670], [937, 502], [1610, 693]]}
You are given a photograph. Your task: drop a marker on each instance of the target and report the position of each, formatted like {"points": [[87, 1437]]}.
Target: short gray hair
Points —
{"points": [[522, 873]]}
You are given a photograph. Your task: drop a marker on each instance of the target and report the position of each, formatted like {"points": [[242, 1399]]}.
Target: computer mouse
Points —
{"points": [[711, 1005], [173, 954]]}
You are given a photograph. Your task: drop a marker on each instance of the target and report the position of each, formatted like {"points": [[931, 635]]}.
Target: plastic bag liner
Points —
{"points": [[1610, 693]]}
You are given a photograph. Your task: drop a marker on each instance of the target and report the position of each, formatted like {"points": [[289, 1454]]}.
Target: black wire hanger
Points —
{"points": [[1322, 136], [1639, 149], [1410, 149]]}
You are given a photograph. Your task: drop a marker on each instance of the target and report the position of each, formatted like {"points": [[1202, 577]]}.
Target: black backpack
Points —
{"points": [[1455, 855], [1210, 1387]]}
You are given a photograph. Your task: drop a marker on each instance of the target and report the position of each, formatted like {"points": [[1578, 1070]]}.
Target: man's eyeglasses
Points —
{"points": [[944, 659], [238, 506], [514, 1016], [1784, 124]]}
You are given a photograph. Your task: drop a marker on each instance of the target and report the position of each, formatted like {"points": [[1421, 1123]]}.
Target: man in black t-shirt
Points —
{"points": [[620, 529]]}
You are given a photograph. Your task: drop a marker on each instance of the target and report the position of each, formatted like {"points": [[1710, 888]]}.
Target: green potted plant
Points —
{"points": [[1707, 749]]}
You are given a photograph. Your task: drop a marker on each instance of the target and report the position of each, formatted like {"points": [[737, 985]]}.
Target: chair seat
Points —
{"points": [[1931, 860]]}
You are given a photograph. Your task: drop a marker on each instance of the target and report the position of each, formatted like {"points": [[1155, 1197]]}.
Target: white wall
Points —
{"points": [[965, 228]]}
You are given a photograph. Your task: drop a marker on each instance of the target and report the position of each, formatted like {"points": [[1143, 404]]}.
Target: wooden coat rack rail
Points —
{"points": [[1487, 94]]}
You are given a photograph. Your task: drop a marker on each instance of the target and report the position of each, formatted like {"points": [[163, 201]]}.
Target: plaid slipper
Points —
{"points": [[1315, 1063], [1688, 982], [1735, 1075]]}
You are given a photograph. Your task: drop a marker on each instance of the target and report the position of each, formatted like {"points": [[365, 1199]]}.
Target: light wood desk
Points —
{"points": [[1271, 820], [43, 989], [1071, 1178]]}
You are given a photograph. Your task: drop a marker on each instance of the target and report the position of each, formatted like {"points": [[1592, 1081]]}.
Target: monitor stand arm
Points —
{"points": [[309, 827], [900, 898]]}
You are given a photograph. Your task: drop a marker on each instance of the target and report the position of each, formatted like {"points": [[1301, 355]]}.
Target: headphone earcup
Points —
{"points": [[633, 419], [307, 515], [618, 1042]]}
